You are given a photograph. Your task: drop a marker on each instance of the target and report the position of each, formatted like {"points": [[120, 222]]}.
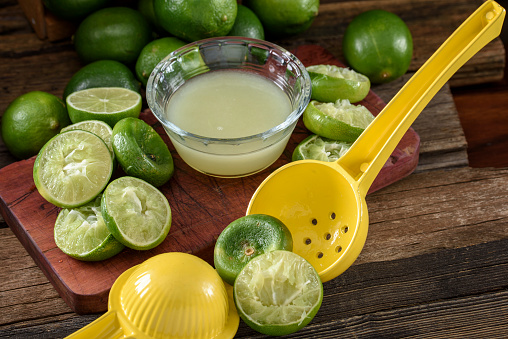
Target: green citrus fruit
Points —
{"points": [[247, 24], [319, 148], [193, 20], [97, 127], [74, 9], [72, 168], [136, 213], [339, 121], [282, 18], [145, 7], [108, 104], [153, 53], [113, 33], [141, 151], [30, 121], [379, 45], [331, 83], [102, 73], [278, 293], [246, 238], [82, 233]]}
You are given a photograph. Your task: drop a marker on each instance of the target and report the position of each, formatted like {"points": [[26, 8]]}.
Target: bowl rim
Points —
{"points": [[291, 119]]}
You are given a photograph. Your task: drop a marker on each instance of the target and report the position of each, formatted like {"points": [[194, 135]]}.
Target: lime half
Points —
{"points": [[246, 238], [141, 151], [72, 168], [136, 213], [331, 83], [108, 104], [82, 234], [339, 121], [278, 293], [97, 127], [319, 148]]}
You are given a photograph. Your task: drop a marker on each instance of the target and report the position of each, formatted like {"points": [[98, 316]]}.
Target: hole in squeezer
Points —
{"points": [[338, 249], [332, 215], [345, 229], [328, 236], [320, 255], [314, 221], [307, 241]]}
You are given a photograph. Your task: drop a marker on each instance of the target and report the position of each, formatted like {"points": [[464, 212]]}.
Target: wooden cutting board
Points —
{"points": [[202, 206]]}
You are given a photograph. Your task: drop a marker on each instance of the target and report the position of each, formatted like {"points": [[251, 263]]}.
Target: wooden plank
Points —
{"points": [[443, 293]]}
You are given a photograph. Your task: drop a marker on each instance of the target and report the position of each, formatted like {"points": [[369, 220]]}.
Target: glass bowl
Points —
{"points": [[239, 155]]}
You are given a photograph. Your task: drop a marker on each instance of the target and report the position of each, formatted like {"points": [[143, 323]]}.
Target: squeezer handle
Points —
{"points": [[373, 147]]}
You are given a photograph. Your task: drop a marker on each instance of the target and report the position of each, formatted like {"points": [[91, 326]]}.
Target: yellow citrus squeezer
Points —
{"points": [[323, 203], [171, 295]]}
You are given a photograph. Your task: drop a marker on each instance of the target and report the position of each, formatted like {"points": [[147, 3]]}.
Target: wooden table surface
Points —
{"points": [[435, 262]]}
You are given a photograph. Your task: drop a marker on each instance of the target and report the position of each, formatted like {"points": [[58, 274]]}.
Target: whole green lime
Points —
{"points": [[113, 33], [281, 18], [145, 7], [193, 20], [153, 53], [102, 73], [247, 24], [244, 239], [379, 45], [74, 9], [30, 121]]}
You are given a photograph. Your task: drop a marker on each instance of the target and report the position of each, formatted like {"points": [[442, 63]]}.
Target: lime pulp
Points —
{"points": [[319, 148], [72, 168], [136, 213], [278, 293]]}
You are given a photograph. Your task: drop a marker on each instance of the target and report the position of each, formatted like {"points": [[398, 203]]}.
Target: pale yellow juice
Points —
{"points": [[226, 105]]}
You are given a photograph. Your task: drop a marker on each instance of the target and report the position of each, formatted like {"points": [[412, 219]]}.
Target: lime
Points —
{"points": [[97, 127], [339, 121], [112, 33], [102, 73], [141, 151], [281, 18], [145, 7], [247, 24], [379, 45], [136, 213], [319, 148], [246, 238], [30, 121], [278, 293], [331, 83], [82, 234], [153, 53], [108, 104], [193, 20], [74, 9], [72, 168]]}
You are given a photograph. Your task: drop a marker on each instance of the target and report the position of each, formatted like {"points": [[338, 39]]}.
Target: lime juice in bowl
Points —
{"points": [[229, 105]]}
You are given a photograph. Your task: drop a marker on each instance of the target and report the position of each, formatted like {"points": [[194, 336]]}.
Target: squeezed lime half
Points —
{"points": [[278, 293], [82, 234], [319, 148], [339, 121], [72, 168], [331, 83], [136, 213]]}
